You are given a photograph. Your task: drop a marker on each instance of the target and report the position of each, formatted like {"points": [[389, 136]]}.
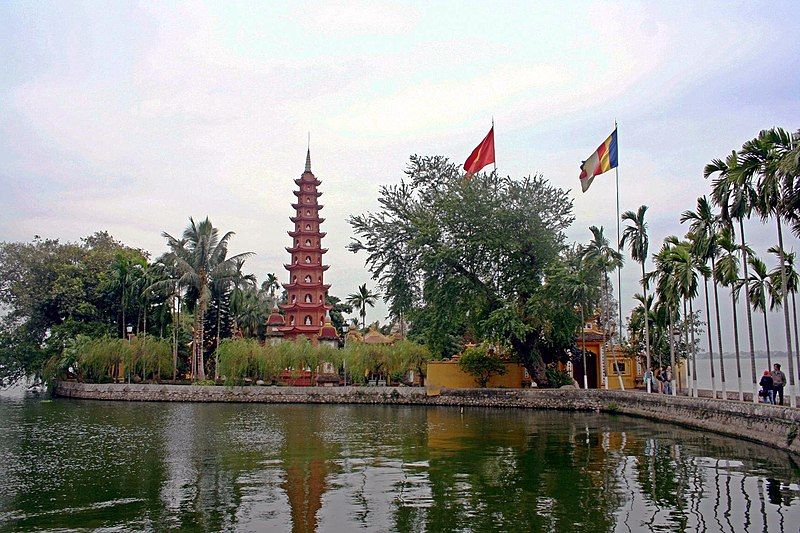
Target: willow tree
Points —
{"points": [[473, 259]]}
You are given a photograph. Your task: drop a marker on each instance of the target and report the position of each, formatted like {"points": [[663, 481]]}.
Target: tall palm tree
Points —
{"points": [[792, 282], [125, 271], [762, 291], [583, 291], [166, 283], [271, 285], [599, 255], [668, 296], [360, 300], [683, 265], [727, 274], [698, 247], [200, 258], [764, 158], [635, 235], [733, 190], [704, 227]]}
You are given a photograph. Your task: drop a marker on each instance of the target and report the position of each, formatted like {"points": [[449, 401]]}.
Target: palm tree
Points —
{"points": [[727, 274], [125, 271], [635, 235], [668, 296], [704, 227], [200, 258], [685, 275], [599, 255], [792, 282], [765, 157], [698, 247], [360, 300], [166, 283], [583, 292], [271, 285], [761, 288], [733, 190]]}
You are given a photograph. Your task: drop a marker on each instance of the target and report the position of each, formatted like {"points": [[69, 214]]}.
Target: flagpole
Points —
{"points": [[619, 267], [495, 153]]}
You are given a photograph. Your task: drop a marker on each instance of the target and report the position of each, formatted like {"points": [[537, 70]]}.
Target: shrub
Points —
{"points": [[556, 378], [482, 365]]}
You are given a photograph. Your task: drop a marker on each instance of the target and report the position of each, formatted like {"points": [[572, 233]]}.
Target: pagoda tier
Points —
{"points": [[309, 193], [307, 218], [306, 249], [301, 206], [305, 233], [306, 308], [316, 182], [306, 266]]}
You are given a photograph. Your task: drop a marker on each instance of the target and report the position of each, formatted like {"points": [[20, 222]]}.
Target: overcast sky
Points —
{"points": [[131, 117]]}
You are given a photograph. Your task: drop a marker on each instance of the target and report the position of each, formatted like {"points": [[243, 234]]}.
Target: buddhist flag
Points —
{"points": [[603, 160], [482, 155]]}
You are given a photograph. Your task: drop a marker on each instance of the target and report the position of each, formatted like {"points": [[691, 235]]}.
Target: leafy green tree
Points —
{"points": [[635, 235], [482, 365], [50, 293], [473, 259], [360, 300], [338, 309]]}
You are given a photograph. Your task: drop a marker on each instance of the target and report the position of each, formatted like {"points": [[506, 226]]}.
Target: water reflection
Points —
{"points": [[74, 464]]}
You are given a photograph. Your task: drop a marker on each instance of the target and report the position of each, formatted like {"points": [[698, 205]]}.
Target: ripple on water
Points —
{"points": [[74, 464]]}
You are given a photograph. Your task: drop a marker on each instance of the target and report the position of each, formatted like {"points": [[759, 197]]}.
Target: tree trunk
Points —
{"points": [[784, 299], [796, 339], [766, 337], [749, 313], [583, 348], [646, 330], [736, 343], [124, 330], [686, 343], [719, 331], [216, 350], [672, 387], [710, 342], [695, 393]]}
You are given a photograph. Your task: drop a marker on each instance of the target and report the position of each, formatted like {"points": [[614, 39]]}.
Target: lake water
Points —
{"points": [[71, 464]]}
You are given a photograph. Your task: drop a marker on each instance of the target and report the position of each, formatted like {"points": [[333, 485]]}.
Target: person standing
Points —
{"points": [[668, 380], [766, 387], [778, 382]]}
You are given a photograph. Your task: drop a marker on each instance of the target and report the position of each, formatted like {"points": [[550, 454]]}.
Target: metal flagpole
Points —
{"points": [[495, 147], [620, 328]]}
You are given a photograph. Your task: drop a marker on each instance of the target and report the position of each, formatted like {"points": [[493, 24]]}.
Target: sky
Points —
{"points": [[132, 117]]}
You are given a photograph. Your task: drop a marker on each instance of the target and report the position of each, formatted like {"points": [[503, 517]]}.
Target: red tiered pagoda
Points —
{"points": [[305, 308]]}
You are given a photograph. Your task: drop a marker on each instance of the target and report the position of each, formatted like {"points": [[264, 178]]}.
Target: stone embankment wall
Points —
{"points": [[774, 426]]}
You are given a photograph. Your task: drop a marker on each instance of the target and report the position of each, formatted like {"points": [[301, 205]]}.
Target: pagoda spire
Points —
{"points": [[308, 154]]}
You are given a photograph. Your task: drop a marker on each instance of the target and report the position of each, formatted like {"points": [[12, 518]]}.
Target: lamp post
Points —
{"points": [[345, 329], [129, 330]]}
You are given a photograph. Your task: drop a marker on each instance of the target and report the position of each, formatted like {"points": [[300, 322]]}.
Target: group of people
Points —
{"points": [[661, 379], [772, 384]]}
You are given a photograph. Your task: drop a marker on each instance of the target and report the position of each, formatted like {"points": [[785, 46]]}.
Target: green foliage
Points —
{"points": [[246, 358], [469, 259], [480, 364], [555, 378], [51, 292], [95, 360]]}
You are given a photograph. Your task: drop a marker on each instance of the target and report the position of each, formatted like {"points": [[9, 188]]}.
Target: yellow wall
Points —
{"points": [[448, 374], [628, 377]]}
